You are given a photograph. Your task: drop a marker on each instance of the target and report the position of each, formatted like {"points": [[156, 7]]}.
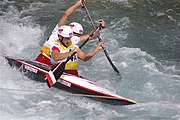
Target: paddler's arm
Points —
{"points": [[86, 57], [70, 10], [84, 37], [57, 56]]}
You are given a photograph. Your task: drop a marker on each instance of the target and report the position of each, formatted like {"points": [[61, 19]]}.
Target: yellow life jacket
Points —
{"points": [[72, 63], [45, 50]]}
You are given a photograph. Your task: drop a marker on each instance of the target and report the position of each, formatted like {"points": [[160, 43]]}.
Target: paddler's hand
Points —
{"points": [[101, 45], [81, 2], [101, 23], [76, 49]]}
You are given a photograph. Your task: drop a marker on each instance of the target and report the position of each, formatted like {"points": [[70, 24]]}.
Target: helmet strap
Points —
{"points": [[61, 40]]}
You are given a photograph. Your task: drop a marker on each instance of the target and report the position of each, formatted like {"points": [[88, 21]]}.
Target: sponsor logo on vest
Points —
{"points": [[30, 69]]}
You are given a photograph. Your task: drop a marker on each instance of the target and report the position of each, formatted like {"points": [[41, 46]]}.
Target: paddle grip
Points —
{"points": [[82, 4]]}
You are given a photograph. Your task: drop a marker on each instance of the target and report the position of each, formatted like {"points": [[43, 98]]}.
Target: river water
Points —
{"points": [[142, 39]]}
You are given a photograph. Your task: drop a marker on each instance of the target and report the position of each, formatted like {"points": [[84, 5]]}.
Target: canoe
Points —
{"points": [[76, 85]]}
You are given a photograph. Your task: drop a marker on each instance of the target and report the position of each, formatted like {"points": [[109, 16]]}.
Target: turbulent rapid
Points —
{"points": [[142, 39]]}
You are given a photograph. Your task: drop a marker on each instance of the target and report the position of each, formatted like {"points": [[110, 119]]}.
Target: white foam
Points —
{"points": [[17, 32]]}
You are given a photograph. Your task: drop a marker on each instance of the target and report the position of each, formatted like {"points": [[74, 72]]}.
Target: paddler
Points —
{"points": [[44, 55], [63, 47]]}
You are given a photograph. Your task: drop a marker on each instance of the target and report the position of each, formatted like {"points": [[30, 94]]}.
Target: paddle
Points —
{"points": [[53, 76], [105, 51]]}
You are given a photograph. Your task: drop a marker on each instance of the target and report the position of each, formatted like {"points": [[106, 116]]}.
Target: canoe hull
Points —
{"points": [[78, 86]]}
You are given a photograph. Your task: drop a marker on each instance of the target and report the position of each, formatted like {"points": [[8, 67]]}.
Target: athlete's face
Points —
{"points": [[66, 41]]}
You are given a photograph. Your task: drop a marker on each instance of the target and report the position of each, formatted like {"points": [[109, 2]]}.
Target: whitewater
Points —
{"points": [[142, 39]]}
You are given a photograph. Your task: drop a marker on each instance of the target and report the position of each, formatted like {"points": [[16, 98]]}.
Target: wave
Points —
{"points": [[155, 85]]}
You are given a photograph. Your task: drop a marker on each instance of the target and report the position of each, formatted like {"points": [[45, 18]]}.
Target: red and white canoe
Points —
{"points": [[76, 85]]}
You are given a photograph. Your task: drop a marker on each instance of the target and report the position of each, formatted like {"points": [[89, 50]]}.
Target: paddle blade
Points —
{"points": [[110, 61], [59, 70], [50, 79]]}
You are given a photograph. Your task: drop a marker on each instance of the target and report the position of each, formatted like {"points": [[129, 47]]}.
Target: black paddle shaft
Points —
{"points": [[100, 40]]}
